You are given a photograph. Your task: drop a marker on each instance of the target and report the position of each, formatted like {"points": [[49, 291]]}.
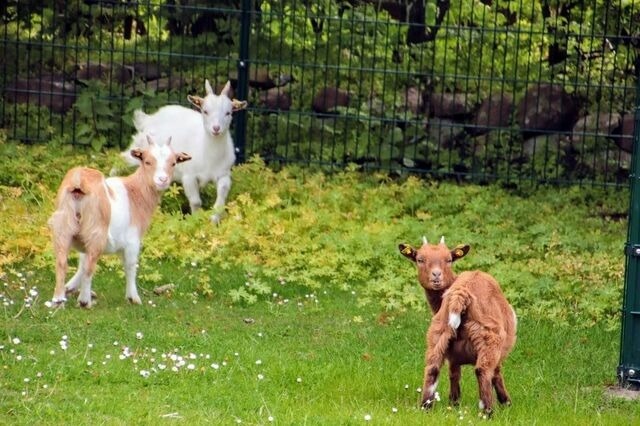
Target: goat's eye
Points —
{"points": [[205, 112], [148, 163], [449, 261], [174, 164], [421, 261], [228, 112]]}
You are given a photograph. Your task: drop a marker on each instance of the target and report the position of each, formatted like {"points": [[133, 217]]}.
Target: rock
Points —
{"points": [[623, 135], [328, 99], [52, 92], [276, 99], [546, 108], [450, 105], [493, 113]]}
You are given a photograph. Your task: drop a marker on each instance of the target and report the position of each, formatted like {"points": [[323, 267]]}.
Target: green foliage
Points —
{"points": [[340, 232]]}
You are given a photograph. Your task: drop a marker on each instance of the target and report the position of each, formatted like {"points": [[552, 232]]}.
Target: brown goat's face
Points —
{"points": [[433, 262]]}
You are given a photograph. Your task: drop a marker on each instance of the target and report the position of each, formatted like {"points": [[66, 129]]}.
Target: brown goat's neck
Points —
{"points": [[143, 199], [434, 298]]}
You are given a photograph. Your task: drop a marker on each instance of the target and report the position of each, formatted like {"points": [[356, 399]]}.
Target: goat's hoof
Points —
{"points": [[215, 219], [134, 300], [58, 301], [427, 403], [85, 304]]}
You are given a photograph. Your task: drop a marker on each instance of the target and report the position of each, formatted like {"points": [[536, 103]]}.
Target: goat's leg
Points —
{"points": [[501, 390], [454, 378], [130, 261], [192, 192], [223, 186], [88, 266], [72, 285], [437, 343], [62, 245], [485, 369]]}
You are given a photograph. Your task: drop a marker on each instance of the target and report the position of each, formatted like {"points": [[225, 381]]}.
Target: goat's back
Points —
{"points": [[486, 306], [211, 156]]}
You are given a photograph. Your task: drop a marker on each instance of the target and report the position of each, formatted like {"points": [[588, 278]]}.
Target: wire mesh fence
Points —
{"points": [[479, 90]]}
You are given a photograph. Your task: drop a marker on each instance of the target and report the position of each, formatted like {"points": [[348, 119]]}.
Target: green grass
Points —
{"points": [[304, 275], [352, 360]]}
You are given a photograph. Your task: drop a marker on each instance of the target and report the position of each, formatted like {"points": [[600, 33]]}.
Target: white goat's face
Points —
{"points": [[217, 110], [217, 113], [433, 262], [158, 162]]}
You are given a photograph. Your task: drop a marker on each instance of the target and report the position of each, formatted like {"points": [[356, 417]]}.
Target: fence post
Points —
{"points": [[242, 87], [629, 368]]}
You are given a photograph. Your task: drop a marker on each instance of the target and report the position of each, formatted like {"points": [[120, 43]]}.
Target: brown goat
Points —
{"points": [[472, 323]]}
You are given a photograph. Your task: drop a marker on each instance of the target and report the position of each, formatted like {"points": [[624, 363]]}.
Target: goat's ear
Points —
{"points": [[207, 88], [196, 101], [238, 105], [226, 90], [182, 156], [407, 251], [137, 153], [460, 251]]}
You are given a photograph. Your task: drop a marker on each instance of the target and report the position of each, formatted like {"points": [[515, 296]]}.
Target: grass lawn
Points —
{"points": [[299, 358], [299, 309]]}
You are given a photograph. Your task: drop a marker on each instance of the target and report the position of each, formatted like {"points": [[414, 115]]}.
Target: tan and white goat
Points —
{"points": [[98, 215], [472, 323]]}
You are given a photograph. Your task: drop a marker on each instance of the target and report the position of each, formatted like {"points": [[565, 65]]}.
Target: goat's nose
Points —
{"points": [[436, 274], [216, 129], [163, 179]]}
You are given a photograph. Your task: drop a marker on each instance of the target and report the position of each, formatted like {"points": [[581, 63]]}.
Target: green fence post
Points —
{"points": [[629, 368], [242, 88]]}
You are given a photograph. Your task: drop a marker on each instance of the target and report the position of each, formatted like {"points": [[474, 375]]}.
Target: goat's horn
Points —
{"points": [[424, 240]]}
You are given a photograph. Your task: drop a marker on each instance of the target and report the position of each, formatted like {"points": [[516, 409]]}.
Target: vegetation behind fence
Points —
{"points": [[483, 90]]}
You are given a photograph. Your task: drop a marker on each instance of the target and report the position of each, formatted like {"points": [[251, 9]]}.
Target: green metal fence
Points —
{"points": [[482, 90], [477, 90]]}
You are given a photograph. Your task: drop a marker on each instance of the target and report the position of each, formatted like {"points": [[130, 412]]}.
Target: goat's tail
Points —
{"points": [[457, 302], [139, 119], [69, 202]]}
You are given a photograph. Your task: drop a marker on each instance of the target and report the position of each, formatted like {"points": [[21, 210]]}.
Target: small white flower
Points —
{"points": [[258, 362], [108, 356], [39, 374], [406, 386], [115, 343], [45, 386], [139, 335], [299, 380], [191, 367], [48, 304], [27, 380], [15, 341], [153, 350], [270, 418], [122, 356], [394, 410], [193, 356], [215, 366], [65, 337], [367, 417], [260, 334], [174, 369], [145, 373], [89, 363], [90, 345], [19, 358], [161, 366], [52, 352], [419, 390], [260, 377], [224, 363]]}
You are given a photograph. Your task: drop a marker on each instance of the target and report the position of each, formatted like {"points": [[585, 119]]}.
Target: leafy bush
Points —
{"points": [[555, 251]]}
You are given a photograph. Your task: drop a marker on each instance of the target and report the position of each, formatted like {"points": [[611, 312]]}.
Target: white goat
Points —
{"points": [[96, 215], [205, 135]]}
